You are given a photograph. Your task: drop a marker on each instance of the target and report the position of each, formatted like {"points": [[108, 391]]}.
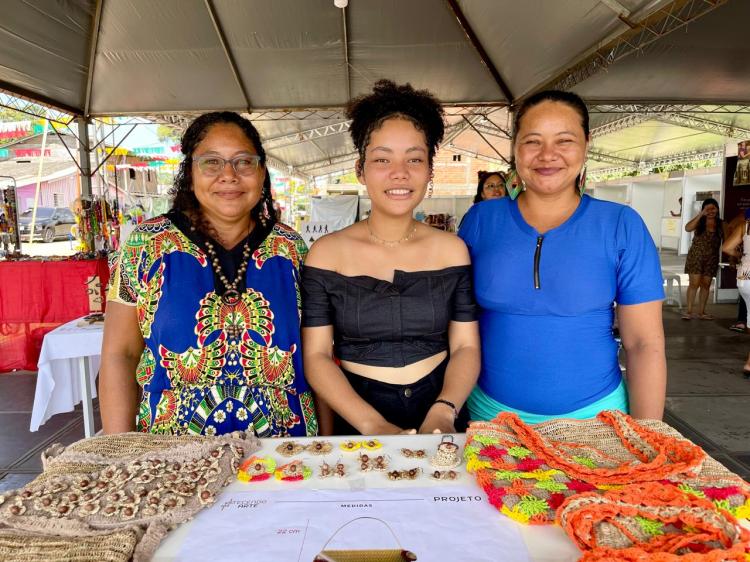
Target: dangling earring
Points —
{"points": [[582, 181], [430, 186], [514, 185]]}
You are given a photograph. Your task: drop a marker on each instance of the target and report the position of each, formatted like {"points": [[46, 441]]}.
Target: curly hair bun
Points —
{"points": [[368, 112]]}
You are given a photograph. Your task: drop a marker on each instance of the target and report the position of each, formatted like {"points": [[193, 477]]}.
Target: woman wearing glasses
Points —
{"points": [[202, 327], [491, 186]]}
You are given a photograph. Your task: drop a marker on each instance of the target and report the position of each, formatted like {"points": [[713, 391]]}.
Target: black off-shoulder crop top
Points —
{"points": [[388, 324]]}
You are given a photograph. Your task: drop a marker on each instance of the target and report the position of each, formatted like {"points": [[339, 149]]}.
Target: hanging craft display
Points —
{"points": [[398, 554]]}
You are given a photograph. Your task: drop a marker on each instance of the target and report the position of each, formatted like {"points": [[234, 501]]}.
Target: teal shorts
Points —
{"points": [[482, 407]]}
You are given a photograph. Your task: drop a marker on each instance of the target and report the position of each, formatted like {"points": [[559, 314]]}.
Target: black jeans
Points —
{"points": [[404, 405]]}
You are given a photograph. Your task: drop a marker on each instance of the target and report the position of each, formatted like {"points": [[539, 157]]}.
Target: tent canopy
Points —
{"points": [[292, 65]]}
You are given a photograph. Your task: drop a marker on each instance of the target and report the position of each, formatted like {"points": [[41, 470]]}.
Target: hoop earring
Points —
{"points": [[581, 185], [514, 185], [430, 189]]}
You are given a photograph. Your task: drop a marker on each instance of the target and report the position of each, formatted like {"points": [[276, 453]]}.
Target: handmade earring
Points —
{"points": [[514, 185], [409, 453], [289, 448], [581, 186], [293, 471], [410, 474], [447, 454], [372, 444], [256, 469], [444, 475], [350, 446], [320, 447]]}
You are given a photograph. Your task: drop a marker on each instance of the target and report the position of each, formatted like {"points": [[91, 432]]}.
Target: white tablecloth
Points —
{"points": [[58, 385], [546, 543]]}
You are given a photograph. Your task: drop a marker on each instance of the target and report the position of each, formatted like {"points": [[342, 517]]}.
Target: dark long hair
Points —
{"points": [[483, 176], [701, 228], [183, 196]]}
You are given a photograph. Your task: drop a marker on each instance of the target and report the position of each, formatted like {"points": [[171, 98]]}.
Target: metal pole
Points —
{"points": [[84, 157], [38, 184]]}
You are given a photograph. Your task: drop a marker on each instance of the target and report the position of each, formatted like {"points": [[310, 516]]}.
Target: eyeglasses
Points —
{"points": [[494, 186], [242, 165]]}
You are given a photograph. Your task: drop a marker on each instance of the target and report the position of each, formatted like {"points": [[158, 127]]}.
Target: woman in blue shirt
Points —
{"points": [[547, 294]]}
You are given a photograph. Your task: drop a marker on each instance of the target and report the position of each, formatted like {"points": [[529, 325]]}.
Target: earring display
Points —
{"points": [[372, 444], [368, 463], [256, 469], [409, 474], [415, 453], [290, 448], [319, 447], [293, 471], [326, 470], [445, 475]]}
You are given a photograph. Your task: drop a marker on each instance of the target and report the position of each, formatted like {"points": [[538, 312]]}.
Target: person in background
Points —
{"points": [[491, 186], [390, 297], [740, 239], [547, 293], [702, 261], [202, 331]]}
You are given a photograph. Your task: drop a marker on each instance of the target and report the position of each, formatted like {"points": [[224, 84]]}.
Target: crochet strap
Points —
{"points": [[660, 455]]}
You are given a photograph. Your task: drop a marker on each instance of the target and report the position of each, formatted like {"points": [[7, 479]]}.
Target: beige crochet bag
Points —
{"points": [[115, 497]]}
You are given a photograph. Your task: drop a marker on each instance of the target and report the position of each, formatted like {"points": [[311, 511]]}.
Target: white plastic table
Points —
{"points": [[68, 365]]}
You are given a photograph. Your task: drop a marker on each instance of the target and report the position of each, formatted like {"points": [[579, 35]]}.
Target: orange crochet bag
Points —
{"points": [[653, 522], [527, 472]]}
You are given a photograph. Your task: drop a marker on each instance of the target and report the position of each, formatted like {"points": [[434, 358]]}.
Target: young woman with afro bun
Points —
{"points": [[389, 297]]}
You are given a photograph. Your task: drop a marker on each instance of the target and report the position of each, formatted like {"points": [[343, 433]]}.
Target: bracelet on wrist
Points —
{"points": [[448, 403]]}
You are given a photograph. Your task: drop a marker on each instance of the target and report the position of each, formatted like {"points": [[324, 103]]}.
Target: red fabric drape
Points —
{"points": [[37, 297]]}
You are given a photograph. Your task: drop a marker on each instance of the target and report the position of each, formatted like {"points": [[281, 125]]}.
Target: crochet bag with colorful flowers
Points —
{"points": [[650, 521], [528, 472]]}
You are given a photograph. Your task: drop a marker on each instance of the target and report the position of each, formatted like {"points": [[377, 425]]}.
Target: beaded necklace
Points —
{"points": [[231, 294]]}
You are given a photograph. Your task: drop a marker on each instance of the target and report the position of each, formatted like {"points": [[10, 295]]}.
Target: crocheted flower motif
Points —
{"points": [[585, 461], [493, 452], [495, 496], [486, 440], [519, 452], [690, 490], [550, 486], [649, 526], [531, 505], [527, 465], [241, 413]]}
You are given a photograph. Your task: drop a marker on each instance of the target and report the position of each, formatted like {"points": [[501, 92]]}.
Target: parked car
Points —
{"points": [[51, 223]]}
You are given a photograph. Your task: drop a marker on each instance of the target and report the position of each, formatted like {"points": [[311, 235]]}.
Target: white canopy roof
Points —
{"points": [[292, 64]]}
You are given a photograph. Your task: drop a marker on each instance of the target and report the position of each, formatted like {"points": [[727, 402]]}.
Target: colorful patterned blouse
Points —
{"points": [[210, 366]]}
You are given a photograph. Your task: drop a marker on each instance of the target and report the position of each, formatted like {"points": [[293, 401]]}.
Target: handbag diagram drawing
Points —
{"points": [[398, 554]]}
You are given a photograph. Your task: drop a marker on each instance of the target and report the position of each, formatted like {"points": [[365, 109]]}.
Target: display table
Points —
{"points": [[68, 365], [360, 495], [38, 296]]}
